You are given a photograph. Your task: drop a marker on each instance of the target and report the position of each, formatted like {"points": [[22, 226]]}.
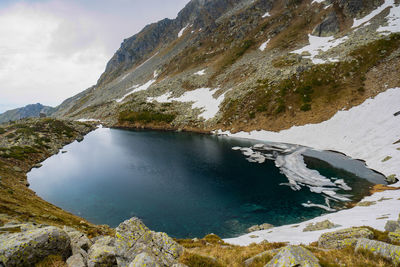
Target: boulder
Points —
{"points": [[329, 26], [291, 256], [144, 259], [382, 249], [319, 226], [29, 247], [102, 253], [392, 226], [134, 238], [78, 239], [342, 238], [260, 227], [76, 260]]}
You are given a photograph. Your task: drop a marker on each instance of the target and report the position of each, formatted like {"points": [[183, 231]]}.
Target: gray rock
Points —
{"points": [[382, 249], [29, 247], [260, 227], [342, 238], [76, 260], [78, 239], [134, 238], [319, 226], [291, 256], [179, 265], [329, 26], [392, 226], [102, 253], [144, 259]]}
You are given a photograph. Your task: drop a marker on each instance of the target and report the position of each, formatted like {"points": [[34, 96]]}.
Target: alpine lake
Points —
{"points": [[185, 184]]}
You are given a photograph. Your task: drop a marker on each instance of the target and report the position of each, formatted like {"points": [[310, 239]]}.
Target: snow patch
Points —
{"points": [[201, 72], [393, 21], [264, 45], [136, 88], [319, 44], [180, 33], [202, 98], [386, 4], [266, 15]]}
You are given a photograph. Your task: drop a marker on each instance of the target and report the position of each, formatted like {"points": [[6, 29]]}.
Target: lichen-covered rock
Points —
{"points": [[392, 226], [102, 253], [395, 237], [291, 256], [144, 259], [134, 238], [319, 226], [260, 227], [76, 260], [78, 239], [32, 246], [342, 238], [382, 249]]}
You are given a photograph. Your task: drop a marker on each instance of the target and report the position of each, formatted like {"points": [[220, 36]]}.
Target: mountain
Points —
{"points": [[29, 111], [247, 65]]}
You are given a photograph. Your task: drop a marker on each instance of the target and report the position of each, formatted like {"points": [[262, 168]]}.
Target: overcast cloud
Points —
{"points": [[51, 50]]}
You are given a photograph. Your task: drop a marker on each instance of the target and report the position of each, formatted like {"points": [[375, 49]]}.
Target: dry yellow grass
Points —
{"points": [[52, 261]]}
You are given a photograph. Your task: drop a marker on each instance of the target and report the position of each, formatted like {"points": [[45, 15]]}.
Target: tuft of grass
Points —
{"points": [[52, 261], [18, 152], [386, 158], [2, 131], [195, 260], [348, 257]]}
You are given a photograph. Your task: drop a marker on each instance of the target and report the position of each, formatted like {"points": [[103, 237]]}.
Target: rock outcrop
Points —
{"points": [[260, 227], [342, 238], [30, 247], [134, 238], [319, 226], [329, 26], [292, 256], [382, 249]]}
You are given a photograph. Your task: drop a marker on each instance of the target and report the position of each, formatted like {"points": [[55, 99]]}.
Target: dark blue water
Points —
{"points": [[187, 185]]}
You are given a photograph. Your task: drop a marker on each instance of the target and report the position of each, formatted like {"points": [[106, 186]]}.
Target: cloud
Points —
{"points": [[51, 50]]}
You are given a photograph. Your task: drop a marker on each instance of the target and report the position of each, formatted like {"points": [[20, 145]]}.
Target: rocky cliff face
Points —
{"points": [[29, 111], [245, 65]]}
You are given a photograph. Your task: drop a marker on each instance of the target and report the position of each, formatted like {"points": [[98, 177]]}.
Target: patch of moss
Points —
{"points": [[145, 117], [18, 152], [2, 131], [386, 158]]}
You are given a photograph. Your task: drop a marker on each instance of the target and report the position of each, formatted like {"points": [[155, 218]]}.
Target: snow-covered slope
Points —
{"points": [[369, 132]]}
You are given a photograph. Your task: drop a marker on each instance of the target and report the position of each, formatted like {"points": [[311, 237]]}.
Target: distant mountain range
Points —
{"points": [[28, 111]]}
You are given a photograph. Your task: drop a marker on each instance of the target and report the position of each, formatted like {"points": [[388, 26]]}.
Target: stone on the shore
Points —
{"points": [[76, 260], [144, 259], [343, 238], [30, 247], [102, 253], [382, 249], [392, 226], [134, 238], [319, 226], [291, 256], [260, 227]]}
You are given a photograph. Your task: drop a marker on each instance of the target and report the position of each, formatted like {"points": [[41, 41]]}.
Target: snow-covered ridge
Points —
{"points": [[369, 132], [386, 4]]}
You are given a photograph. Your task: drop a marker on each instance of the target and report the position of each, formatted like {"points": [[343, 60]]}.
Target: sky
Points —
{"points": [[53, 49]]}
